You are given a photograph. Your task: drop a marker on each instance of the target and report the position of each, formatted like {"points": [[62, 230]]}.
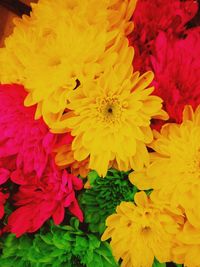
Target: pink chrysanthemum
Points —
{"points": [[176, 66], [23, 139], [40, 199], [150, 17], [26, 156]]}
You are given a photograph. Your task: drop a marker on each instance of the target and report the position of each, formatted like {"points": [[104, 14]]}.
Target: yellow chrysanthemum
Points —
{"points": [[174, 170], [117, 13], [63, 44], [110, 118], [141, 232], [186, 250]]}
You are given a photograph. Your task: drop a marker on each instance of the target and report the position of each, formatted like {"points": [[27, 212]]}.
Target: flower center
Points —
{"points": [[146, 230], [109, 110]]}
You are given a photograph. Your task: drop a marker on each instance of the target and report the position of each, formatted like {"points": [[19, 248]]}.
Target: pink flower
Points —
{"points": [[151, 17], [28, 140], [176, 64], [44, 198], [27, 157]]}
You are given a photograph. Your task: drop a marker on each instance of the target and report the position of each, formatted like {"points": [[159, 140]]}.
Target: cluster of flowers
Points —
{"points": [[74, 105]]}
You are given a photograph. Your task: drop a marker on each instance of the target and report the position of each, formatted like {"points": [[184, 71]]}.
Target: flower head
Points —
{"points": [[149, 21], [72, 45], [26, 143], [176, 66], [140, 229], [103, 114], [117, 13], [38, 200], [174, 167]]}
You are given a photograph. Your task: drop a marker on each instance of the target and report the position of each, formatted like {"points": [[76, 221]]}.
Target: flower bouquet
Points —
{"points": [[100, 135]]}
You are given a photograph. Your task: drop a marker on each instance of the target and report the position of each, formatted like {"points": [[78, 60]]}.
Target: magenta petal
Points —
{"points": [[75, 210], [4, 175], [58, 215]]}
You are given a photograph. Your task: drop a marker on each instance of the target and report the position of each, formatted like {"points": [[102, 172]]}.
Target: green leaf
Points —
{"points": [[158, 264], [74, 222], [94, 241], [47, 238], [62, 246], [92, 176]]}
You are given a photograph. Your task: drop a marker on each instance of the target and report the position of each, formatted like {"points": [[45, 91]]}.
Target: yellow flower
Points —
{"points": [[63, 43], [117, 12], [186, 250], [110, 119], [174, 169], [141, 232]]}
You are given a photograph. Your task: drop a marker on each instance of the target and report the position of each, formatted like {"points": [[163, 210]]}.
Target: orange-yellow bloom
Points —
{"points": [[174, 169], [141, 232], [110, 119]]}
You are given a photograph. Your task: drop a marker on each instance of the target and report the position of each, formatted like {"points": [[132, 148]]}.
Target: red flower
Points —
{"points": [[28, 142], [176, 65], [27, 157], [44, 198], [151, 17]]}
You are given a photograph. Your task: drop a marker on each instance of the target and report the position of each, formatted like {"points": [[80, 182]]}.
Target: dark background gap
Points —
{"points": [[16, 7]]}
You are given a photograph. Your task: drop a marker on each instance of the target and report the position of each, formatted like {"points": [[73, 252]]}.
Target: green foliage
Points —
{"points": [[158, 264], [62, 246], [104, 196]]}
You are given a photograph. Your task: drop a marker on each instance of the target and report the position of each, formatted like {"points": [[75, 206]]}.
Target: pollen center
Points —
{"points": [[110, 110], [146, 230]]}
